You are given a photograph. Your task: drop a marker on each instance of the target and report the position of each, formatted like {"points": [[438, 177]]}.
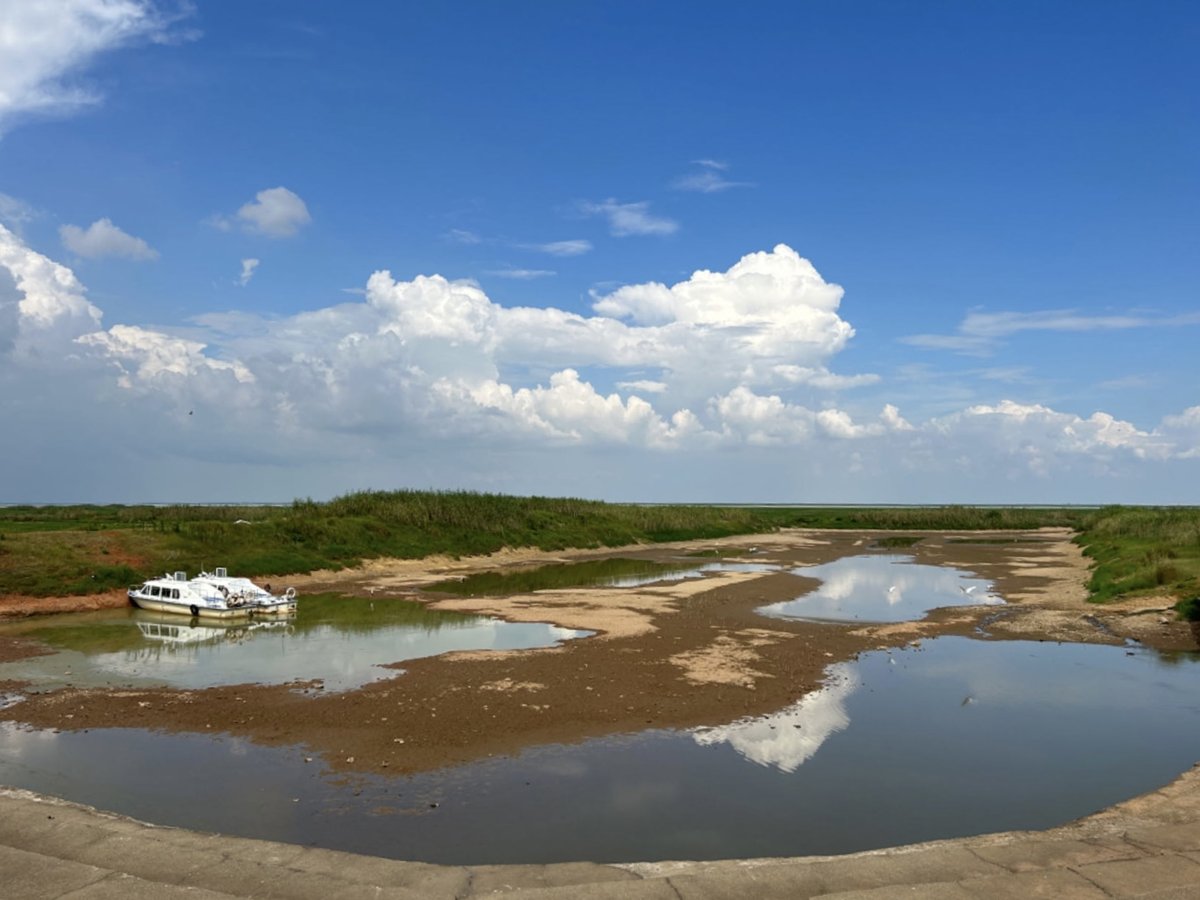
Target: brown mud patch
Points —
{"points": [[666, 655], [13, 648], [19, 605]]}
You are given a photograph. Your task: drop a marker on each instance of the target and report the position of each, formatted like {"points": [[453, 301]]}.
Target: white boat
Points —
{"points": [[211, 595]]}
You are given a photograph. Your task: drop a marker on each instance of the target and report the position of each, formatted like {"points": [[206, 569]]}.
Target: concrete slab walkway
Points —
{"points": [[1148, 847]]}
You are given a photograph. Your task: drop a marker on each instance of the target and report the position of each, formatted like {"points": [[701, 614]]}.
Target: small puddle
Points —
{"points": [[342, 641], [882, 588], [955, 737], [618, 573]]}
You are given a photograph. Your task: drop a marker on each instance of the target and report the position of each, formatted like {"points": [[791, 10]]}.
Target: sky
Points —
{"points": [[796, 252]]}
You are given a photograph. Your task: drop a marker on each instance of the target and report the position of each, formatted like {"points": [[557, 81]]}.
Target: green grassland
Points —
{"points": [[85, 549], [1139, 551]]}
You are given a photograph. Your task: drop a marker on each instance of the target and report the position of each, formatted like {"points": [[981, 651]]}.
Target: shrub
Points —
{"points": [[1189, 609]]}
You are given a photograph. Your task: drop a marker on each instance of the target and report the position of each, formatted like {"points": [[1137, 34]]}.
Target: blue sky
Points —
{"points": [[942, 251]]}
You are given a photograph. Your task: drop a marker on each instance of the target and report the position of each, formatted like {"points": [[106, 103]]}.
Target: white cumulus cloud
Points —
{"points": [[709, 369], [820, 377], [153, 355], [1039, 431], [1184, 430], [275, 212], [572, 410], [50, 294], [103, 238], [45, 45]]}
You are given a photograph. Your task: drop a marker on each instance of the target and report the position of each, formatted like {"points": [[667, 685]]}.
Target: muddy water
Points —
{"points": [[882, 588], [952, 738], [342, 642]]}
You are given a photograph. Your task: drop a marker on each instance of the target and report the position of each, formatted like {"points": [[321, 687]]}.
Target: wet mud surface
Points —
{"points": [[670, 655], [12, 649]]}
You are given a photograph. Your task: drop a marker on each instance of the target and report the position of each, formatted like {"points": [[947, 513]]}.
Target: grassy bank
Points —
{"points": [[1145, 551], [84, 549]]}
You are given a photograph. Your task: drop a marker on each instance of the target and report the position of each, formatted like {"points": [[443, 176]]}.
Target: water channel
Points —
{"points": [[950, 738]]}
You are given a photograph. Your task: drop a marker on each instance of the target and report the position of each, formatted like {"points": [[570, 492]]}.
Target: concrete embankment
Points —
{"points": [[1148, 847]]}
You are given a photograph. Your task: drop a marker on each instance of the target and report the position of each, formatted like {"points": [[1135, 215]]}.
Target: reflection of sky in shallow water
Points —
{"points": [[888, 588], [789, 738], [627, 581], [952, 738], [168, 650]]}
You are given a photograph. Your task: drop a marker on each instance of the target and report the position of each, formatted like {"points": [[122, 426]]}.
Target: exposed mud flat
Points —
{"points": [[17, 648], [667, 655]]}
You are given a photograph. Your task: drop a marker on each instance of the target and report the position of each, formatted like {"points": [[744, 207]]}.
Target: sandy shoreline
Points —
{"points": [[673, 655]]}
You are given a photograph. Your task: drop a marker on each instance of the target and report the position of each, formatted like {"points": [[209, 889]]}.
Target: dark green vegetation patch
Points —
{"points": [[898, 541]]}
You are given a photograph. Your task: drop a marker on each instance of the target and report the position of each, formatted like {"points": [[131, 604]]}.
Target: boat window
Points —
{"points": [[154, 591], [174, 593]]}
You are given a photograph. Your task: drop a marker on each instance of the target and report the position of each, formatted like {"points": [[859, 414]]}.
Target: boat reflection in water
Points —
{"points": [[169, 641], [341, 642], [787, 739], [173, 633]]}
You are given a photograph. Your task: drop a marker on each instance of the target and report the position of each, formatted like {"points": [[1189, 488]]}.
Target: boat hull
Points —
{"points": [[198, 611], [184, 609]]}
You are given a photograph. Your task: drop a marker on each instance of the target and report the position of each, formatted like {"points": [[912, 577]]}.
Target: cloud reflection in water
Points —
{"points": [[883, 588], [789, 738]]}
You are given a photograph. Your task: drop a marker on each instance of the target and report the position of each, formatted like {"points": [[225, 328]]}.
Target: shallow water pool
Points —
{"points": [[341, 641], [882, 588], [953, 738]]}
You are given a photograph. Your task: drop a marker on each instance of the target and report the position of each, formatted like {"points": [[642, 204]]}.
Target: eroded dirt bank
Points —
{"points": [[667, 655], [16, 605]]}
